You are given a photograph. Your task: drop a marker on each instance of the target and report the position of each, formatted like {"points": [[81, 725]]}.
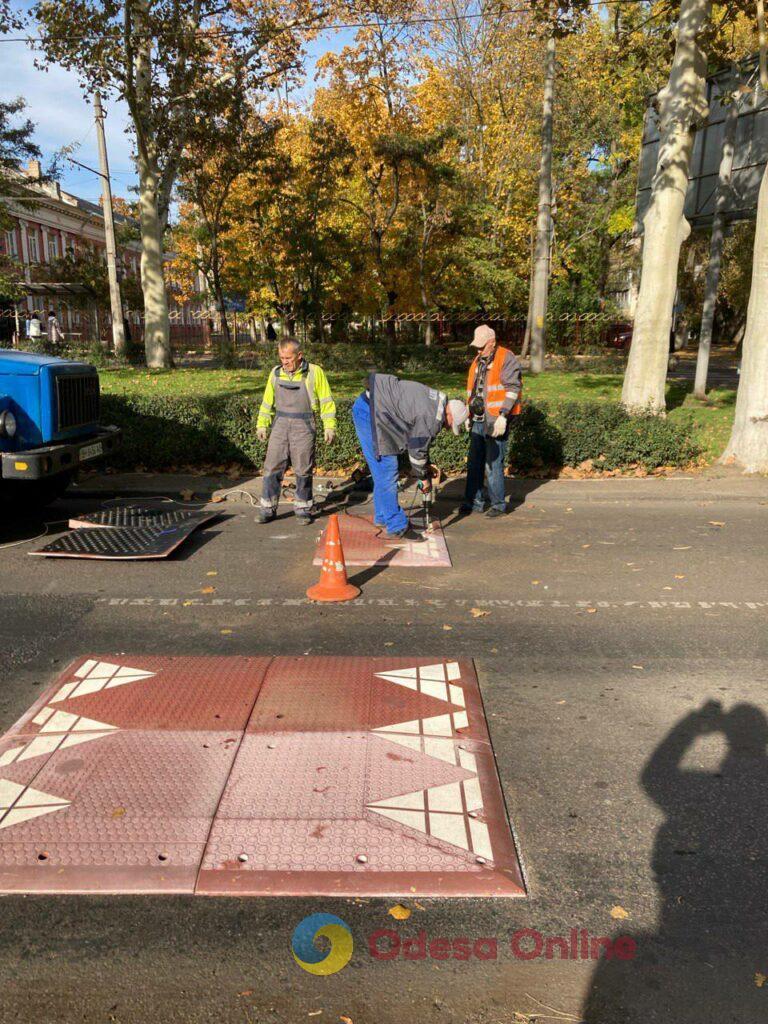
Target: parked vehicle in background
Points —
{"points": [[49, 426]]}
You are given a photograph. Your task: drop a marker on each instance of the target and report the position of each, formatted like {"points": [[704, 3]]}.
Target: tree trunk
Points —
{"points": [[748, 445], [226, 350], [538, 302], [157, 344], [715, 250], [682, 102]]}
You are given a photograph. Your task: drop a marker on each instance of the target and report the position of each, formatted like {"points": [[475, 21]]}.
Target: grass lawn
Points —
{"points": [[712, 421]]}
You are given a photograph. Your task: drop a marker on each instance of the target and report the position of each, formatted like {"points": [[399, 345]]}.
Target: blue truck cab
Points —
{"points": [[49, 425]]}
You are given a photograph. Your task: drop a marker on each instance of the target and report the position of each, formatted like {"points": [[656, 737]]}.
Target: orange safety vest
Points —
{"points": [[495, 391]]}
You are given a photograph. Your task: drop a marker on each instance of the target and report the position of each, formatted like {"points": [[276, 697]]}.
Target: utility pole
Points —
{"points": [[118, 331], [541, 255]]}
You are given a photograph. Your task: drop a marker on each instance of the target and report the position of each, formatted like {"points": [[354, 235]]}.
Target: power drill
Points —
{"points": [[426, 505]]}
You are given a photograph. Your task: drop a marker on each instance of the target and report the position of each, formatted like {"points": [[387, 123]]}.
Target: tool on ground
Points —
{"points": [[333, 584]]}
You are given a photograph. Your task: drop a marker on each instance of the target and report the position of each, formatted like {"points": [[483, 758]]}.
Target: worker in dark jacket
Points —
{"points": [[395, 416], [494, 386]]}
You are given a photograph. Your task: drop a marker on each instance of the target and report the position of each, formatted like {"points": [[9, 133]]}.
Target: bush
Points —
{"points": [[162, 432]]}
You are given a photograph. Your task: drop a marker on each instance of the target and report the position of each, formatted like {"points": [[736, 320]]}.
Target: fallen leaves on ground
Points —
{"points": [[399, 912], [212, 572], [591, 611], [208, 590], [619, 913], [679, 577], [446, 627], [760, 979], [246, 992], [715, 522], [638, 666], [682, 547], [345, 1020], [225, 632], [477, 613]]}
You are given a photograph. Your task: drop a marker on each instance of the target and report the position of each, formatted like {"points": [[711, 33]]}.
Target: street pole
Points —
{"points": [[541, 256], [118, 331]]}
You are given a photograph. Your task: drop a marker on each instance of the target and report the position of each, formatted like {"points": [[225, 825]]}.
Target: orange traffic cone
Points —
{"points": [[333, 585]]}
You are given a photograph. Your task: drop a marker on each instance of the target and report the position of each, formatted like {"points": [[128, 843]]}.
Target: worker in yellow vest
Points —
{"points": [[494, 386], [296, 392]]}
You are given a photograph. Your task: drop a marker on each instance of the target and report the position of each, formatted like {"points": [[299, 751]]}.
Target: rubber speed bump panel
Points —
{"points": [[137, 515], [366, 544], [121, 542], [256, 776]]}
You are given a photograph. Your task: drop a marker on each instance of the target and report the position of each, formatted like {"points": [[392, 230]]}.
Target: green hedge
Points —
{"points": [[163, 433]]}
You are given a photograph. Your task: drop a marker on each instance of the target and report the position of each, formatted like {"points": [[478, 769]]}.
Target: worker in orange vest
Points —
{"points": [[494, 386]]}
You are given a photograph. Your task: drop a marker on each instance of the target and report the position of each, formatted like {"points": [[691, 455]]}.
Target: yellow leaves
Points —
{"points": [[399, 912], [619, 913], [760, 979], [478, 613]]}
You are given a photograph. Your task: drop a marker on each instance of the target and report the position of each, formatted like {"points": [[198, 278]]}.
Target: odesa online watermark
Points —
{"points": [[386, 944]]}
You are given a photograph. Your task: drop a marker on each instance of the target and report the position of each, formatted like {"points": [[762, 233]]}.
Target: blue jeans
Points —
{"points": [[485, 469], [386, 507]]}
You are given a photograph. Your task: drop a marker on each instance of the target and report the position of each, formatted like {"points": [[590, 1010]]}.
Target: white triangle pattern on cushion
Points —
{"points": [[60, 729], [442, 811]]}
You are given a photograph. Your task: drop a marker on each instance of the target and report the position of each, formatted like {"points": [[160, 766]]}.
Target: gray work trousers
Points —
{"points": [[292, 441]]}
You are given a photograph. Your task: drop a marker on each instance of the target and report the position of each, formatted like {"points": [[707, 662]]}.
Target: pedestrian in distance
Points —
{"points": [[296, 390], [35, 329], [494, 386], [394, 416], [55, 334]]}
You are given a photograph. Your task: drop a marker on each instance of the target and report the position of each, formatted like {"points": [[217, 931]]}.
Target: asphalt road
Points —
{"points": [[618, 612]]}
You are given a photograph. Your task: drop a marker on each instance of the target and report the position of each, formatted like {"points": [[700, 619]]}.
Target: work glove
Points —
{"points": [[330, 436], [261, 433], [500, 426]]}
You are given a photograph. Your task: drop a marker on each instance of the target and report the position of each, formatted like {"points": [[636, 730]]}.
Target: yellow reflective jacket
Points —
{"points": [[318, 390]]}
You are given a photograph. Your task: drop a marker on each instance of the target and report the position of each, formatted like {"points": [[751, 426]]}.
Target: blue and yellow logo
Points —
{"points": [[326, 961]]}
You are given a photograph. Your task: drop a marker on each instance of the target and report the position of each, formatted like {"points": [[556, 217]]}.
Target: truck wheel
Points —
{"points": [[22, 496]]}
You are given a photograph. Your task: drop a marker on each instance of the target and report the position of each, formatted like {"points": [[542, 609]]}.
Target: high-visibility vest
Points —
{"points": [[495, 391]]}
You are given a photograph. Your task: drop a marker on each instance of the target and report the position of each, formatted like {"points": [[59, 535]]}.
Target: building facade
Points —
{"points": [[51, 228]]}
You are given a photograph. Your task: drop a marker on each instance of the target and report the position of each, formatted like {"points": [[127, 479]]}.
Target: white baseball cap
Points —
{"points": [[459, 412], [483, 334]]}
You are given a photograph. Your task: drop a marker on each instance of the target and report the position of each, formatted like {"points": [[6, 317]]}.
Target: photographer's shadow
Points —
{"points": [[706, 959]]}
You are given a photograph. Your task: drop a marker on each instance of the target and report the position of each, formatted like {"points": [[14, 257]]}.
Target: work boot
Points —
{"points": [[304, 517], [407, 533], [265, 515], [494, 513]]}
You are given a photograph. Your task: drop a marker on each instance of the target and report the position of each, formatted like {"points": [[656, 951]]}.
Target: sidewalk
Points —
{"points": [[716, 483]]}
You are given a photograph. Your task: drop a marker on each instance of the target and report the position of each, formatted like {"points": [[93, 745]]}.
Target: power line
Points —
{"points": [[340, 26]]}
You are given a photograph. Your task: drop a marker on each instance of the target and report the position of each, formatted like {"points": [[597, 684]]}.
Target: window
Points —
{"points": [[34, 247], [53, 247]]}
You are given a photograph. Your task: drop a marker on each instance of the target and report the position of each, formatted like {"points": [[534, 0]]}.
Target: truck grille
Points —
{"points": [[78, 400]]}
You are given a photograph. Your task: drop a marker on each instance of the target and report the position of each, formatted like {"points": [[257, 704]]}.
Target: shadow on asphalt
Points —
{"points": [[707, 959]]}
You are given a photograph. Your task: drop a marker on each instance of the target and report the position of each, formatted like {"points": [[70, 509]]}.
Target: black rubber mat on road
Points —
{"points": [[137, 515], [121, 542]]}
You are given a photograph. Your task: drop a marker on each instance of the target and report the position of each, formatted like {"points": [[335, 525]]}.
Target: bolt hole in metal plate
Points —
{"points": [[256, 776], [366, 544]]}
